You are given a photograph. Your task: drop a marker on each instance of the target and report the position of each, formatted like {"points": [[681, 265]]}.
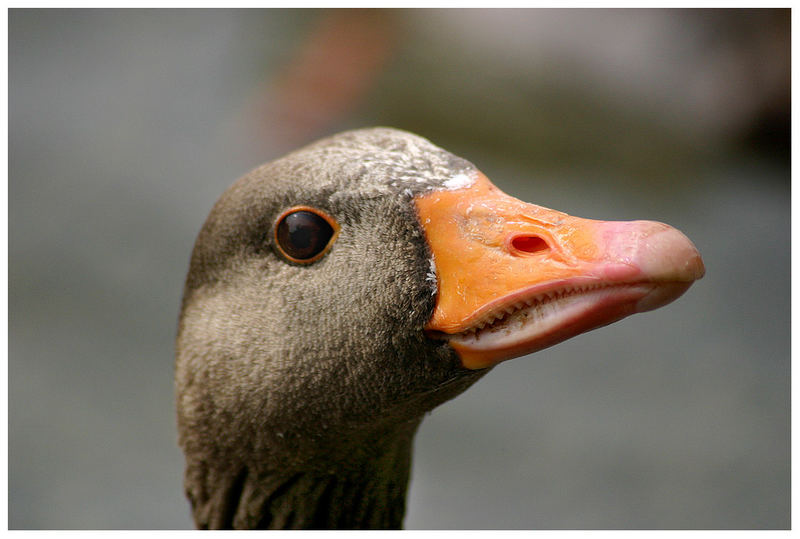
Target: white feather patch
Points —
{"points": [[431, 277], [459, 181]]}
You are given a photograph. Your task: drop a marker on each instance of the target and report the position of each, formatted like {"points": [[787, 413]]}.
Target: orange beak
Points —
{"points": [[514, 278]]}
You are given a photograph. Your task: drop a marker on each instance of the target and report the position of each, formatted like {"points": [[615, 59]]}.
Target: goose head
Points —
{"points": [[337, 294]]}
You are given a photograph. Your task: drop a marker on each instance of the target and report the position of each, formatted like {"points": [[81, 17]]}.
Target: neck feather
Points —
{"points": [[367, 492]]}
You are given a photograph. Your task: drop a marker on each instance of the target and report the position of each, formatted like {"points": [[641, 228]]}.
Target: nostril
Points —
{"points": [[529, 244]]}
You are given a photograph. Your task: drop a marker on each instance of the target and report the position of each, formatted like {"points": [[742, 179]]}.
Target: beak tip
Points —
{"points": [[668, 255], [696, 268]]}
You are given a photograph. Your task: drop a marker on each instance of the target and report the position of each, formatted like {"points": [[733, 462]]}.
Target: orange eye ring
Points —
{"points": [[303, 234]]}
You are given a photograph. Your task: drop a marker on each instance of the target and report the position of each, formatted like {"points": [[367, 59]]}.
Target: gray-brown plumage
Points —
{"points": [[300, 385]]}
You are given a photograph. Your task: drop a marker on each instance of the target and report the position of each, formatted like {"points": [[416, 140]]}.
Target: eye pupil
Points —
{"points": [[302, 235]]}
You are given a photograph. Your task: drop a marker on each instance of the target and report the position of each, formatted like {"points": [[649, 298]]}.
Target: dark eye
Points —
{"points": [[304, 234]]}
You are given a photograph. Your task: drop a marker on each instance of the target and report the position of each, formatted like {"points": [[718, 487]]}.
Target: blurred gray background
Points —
{"points": [[125, 126]]}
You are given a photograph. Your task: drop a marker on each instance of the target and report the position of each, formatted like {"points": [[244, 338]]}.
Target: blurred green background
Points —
{"points": [[125, 126]]}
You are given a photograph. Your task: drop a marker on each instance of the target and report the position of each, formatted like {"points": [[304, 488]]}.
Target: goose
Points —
{"points": [[338, 294]]}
